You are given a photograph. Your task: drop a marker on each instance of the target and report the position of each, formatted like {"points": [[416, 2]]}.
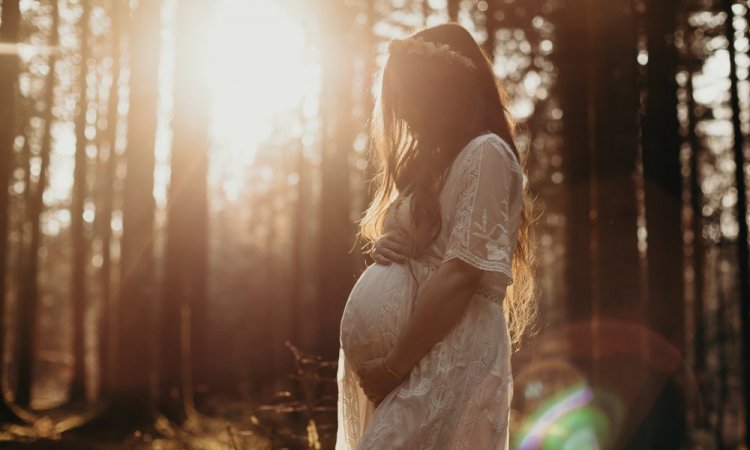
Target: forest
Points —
{"points": [[182, 182]]}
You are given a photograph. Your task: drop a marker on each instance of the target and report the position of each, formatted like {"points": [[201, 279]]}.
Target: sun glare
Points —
{"points": [[259, 70]]}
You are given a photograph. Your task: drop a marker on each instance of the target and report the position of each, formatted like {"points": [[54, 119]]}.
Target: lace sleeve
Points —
{"points": [[483, 224]]}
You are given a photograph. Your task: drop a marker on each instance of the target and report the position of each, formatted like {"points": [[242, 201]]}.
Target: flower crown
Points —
{"points": [[418, 46]]}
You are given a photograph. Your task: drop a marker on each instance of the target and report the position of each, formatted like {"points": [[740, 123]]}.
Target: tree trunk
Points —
{"points": [[77, 225], [371, 41], [106, 188], [336, 228], [131, 395], [722, 358], [663, 199], [616, 261], [743, 252], [300, 225], [492, 25], [613, 136], [453, 7], [663, 180], [698, 249], [8, 80], [596, 57], [573, 61], [29, 293], [183, 315]]}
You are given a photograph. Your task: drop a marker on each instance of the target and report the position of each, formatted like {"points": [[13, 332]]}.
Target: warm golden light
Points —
{"points": [[259, 70]]}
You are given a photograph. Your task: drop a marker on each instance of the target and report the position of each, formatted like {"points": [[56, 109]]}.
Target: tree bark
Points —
{"points": [[106, 187], [743, 252], [371, 41], [663, 180], [615, 258], [9, 24], [300, 225], [77, 224], [613, 135], [698, 248], [29, 294], [453, 7], [183, 314], [663, 185], [596, 57], [574, 61], [132, 403], [336, 228]]}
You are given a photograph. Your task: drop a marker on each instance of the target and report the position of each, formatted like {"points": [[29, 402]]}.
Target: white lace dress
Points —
{"points": [[458, 396]]}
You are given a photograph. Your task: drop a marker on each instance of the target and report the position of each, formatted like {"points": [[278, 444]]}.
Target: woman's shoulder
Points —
{"points": [[489, 148]]}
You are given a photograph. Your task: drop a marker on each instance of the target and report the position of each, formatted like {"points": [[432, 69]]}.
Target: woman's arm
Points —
{"points": [[480, 239], [440, 305]]}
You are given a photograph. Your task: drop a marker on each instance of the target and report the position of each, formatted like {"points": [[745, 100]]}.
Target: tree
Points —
{"points": [[572, 29], [492, 24], [453, 7], [77, 224], [130, 395], [299, 238], [612, 143], [183, 314], [29, 294], [9, 25], [663, 181], [336, 228], [743, 252], [105, 183], [663, 199], [698, 246], [596, 58]]}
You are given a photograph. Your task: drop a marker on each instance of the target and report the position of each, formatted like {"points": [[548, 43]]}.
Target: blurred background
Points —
{"points": [[182, 180]]}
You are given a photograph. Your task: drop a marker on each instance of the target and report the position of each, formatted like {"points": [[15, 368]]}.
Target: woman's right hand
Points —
{"points": [[391, 247]]}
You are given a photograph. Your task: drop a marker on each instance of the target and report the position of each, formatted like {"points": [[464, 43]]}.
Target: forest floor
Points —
{"points": [[226, 423], [227, 426], [297, 411]]}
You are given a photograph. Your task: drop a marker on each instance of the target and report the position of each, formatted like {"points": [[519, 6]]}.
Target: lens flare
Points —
{"points": [[593, 385], [578, 417]]}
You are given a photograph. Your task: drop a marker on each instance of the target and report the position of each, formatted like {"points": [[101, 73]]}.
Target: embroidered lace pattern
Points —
{"points": [[458, 396], [484, 228]]}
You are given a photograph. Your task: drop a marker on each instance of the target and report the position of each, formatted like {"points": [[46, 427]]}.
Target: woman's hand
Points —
{"points": [[391, 247], [376, 380]]}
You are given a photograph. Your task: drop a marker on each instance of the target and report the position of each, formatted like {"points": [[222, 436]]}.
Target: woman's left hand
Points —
{"points": [[376, 381]]}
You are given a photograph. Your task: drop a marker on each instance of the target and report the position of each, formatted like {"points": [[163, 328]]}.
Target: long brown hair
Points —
{"points": [[430, 105]]}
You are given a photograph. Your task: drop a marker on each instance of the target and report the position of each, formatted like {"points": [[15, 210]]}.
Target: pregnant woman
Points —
{"points": [[427, 331]]}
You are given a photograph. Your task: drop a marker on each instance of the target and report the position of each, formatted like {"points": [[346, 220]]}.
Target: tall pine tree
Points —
{"points": [[131, 399], [77, 224], [183, 314], [9, 25]]}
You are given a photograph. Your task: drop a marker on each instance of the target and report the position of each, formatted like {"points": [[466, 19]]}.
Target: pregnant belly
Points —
{"points": [[376, 312]]}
